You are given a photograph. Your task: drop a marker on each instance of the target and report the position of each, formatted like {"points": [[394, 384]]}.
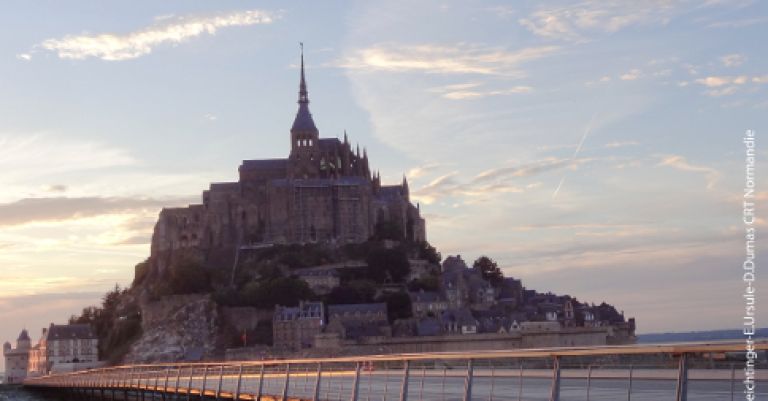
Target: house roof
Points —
{"points": [[71, 332], [23, 336], [425, 296], [264, 164], [357, 308]]}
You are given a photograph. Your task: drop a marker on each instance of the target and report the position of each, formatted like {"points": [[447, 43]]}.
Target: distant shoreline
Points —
{"points": [[708, 335]]}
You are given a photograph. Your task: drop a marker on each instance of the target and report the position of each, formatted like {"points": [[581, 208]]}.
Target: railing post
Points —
{"points": [[287, 381], [205, 379], [589, 381], [316, 396], [239, 380], [355, 383], [468, 381], [189, 382], [404, 388], [221, 379], [555, 395], [178, 378], [629, 385], [682, 379], [157, 382], [261, 383], [167, 375], [733, 381]]}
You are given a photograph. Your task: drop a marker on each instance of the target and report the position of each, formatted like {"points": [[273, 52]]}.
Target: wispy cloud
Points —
{"points": [[32, 155], [733, 60], [738, 23], [728, 85], [169, 30], [474, 91], [631, 75], [460, 58], [529, 169], [680, 163], [575, 21], [447, 185], [31, 210]]}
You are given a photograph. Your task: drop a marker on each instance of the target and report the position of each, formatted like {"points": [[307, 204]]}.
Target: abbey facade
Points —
{"points": [[324, 191]]}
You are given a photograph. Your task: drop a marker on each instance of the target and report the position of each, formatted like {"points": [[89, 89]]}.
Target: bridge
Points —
{"points": [[691, 371]]}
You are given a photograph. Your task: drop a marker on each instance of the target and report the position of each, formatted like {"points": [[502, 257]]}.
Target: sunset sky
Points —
{"points": [[592, 148]]}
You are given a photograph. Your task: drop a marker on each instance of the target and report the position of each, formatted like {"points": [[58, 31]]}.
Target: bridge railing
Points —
{"points": [[679, 372]]}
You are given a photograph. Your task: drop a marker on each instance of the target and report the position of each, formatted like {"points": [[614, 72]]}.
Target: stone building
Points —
{"points": [[321, 281], [295, 328], [17, 359], [324, 191], [357, 321], [68, 347], [427, 303]]}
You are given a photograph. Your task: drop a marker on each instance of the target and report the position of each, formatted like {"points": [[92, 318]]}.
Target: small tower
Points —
{"points": [[23, 342]]}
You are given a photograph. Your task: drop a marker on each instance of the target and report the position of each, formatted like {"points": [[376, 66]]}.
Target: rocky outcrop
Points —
{"points": [[177, 328]]}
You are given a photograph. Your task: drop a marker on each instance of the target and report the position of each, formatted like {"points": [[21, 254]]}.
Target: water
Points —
{"points": [[17, 393]]}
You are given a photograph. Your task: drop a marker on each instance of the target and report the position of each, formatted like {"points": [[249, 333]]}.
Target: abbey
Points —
{"points": [[324, 191]]}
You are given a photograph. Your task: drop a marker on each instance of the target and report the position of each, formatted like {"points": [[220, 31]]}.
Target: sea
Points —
{"points": [[17, 393]]}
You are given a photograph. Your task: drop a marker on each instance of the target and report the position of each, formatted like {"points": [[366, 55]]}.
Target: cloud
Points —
{"points": [[56, 188], [170, 30], [715, 81], [447, 185], [31, 210], [24, 56], [467, 91], [461, 58], [631, 75], [680, 163], [738, 23], [419, 171], [733, 60], [620, 144], [529, 169], [573, 22], [40, 154], [728, 85]]}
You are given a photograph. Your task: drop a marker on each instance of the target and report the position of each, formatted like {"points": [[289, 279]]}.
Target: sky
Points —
{"points": [[592, 148]]}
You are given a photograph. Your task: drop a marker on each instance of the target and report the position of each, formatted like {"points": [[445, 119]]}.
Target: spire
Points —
{"points": [[303, 121], [303, 95], [345, 137]]}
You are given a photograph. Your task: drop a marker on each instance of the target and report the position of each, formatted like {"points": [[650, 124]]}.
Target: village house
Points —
{"points": [[295, 328]]}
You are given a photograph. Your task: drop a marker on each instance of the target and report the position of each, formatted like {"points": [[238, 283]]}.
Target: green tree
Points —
{"points": [[490, 270], [352, 292], [286, 291], [398, 305], [388, 263], [188, 276]]}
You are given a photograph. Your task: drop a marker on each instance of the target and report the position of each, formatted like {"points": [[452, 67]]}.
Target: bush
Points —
{"points": [[188, 276], [386, 264], [286, 291], [352, 292]]}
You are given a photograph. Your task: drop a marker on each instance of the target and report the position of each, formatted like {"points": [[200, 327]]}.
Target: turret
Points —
{"points": [[23, 342]]}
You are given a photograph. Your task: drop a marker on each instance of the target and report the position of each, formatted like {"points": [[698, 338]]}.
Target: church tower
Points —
{"points": [[305, 147]]}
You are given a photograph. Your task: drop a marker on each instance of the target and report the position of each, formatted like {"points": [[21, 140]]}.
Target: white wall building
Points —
{"points": [[16, 359]]}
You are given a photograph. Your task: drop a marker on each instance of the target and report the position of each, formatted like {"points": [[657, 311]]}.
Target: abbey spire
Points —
{"points": [[303, 121]]}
